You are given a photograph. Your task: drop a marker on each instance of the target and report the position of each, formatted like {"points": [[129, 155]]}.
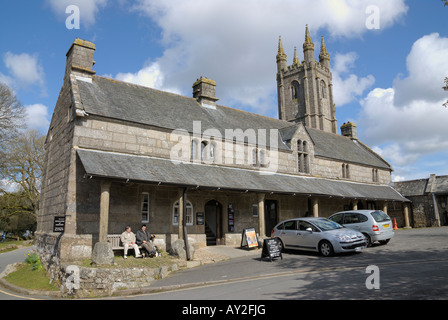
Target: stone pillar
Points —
{"points": [[406, 215], [385, 207], [355, 204], [261, 221], [104, 210], [315, 205], [102, 253]]}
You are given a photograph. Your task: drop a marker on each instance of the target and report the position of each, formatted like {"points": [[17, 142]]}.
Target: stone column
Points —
{"points": [[104, 210], [102, 253], [385, 207], [261, 222], [315, 205], [355, 204], [406, 215]]}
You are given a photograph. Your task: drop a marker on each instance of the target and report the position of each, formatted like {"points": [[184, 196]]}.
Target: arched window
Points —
{"points": [[323, 88], [295, 90], [303, 165], [194, 150], [204, 150], [212, 155], [345, 171], [188, 216]]}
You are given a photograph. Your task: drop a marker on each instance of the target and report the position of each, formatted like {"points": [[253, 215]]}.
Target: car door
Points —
{"points": [[289, 233], [308, 239], [351, 220]]}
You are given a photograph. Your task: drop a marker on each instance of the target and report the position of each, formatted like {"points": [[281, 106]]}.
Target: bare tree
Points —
{"points": [[21, 161], [11, 113]]}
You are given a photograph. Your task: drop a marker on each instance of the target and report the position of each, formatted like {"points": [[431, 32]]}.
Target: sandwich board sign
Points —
{"points": [[271, 249], [249, 238]]}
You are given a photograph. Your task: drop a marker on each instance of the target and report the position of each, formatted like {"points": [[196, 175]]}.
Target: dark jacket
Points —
{"points": [[143, 236]]}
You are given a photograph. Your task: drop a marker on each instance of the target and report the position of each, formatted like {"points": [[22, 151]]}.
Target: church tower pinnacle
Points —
{"points": [[305, 91], [308, 46], [281, 56], [324, 56]]}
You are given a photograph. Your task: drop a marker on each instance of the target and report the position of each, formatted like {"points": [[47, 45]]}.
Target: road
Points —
{"points": [[11, 257], [414, 265]]}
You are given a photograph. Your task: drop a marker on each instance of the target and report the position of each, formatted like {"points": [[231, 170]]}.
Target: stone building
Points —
{"points": [[118, 154], [429, 200]]}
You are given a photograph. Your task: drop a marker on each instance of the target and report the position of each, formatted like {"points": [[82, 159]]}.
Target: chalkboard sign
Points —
{"points": [[249, 238], [271, 249], [59, 224]]}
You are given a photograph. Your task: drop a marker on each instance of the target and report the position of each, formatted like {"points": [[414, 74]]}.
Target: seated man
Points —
{"points": [[128, 240], [144, 239]]}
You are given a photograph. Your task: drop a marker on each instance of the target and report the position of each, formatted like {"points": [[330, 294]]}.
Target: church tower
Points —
{"points": [[305, 90]]}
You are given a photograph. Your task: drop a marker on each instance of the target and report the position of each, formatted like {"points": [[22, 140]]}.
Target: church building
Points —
{"points": [[121, 154]]}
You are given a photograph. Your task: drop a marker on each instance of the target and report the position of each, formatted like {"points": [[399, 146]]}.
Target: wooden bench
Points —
{"points": [[115, 240]]}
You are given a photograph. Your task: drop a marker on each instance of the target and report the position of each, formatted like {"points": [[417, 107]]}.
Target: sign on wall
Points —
{"points": [[59, 224]]}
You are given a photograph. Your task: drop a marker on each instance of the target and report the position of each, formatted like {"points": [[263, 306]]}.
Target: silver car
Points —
{"points": [[374, 224], [317, 234]]}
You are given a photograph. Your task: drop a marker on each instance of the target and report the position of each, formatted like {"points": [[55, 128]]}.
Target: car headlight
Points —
{"points": [[344, 238]]}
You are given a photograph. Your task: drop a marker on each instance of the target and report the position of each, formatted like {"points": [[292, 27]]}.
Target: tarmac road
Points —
{"points": [[414, 265]]}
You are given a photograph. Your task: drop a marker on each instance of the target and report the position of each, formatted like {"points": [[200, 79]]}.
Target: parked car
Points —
{"points": [[317, 234], [375, 225]]}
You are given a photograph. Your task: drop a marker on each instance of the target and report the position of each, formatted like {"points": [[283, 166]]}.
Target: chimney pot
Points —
{"points": [[80, 58], [204, 91], [349, 130]]}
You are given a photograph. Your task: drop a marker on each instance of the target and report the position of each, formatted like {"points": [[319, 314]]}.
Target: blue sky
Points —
{"points": [[388, 80]]}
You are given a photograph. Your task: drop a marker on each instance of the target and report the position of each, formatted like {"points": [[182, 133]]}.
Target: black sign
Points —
{"points": [[59, 224], [271, 249], [199, 218]]}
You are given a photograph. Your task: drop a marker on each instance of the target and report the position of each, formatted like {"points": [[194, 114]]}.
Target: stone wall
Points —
{"points": [[81, 282]]}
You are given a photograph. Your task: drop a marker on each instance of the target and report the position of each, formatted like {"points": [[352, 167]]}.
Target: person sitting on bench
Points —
{"points": [[128, 240]]}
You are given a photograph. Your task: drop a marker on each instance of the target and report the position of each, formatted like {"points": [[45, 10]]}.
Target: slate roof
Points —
{"points": [[420, 187], [147, 169], [134, 103]]}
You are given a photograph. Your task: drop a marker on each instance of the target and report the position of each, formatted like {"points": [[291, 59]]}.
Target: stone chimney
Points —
{"points": [[204, 91], [349, 130], [80, 59]]}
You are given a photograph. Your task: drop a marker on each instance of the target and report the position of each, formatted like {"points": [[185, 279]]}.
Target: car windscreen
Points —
{"points": [[326, 225], [380, 216]]}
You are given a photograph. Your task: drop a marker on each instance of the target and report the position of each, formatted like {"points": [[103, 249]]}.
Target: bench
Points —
{"points": [[115, 241]]}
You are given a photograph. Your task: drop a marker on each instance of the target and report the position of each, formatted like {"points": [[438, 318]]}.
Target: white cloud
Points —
{"points": [[348, 87], [9, 186], [25, 70], [37, 117], [149, 76], [427, 65], [408, 122], [88, 9], [235, 44]]}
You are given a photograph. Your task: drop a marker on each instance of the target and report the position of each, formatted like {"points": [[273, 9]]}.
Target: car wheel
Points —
{"points": [[384, 241], [326, 249], [368, 240], [281, 247]]}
